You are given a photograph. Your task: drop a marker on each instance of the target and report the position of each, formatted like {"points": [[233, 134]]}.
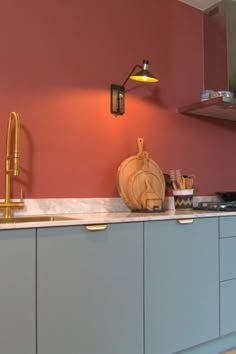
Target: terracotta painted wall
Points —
{"points": [[57, 61]]}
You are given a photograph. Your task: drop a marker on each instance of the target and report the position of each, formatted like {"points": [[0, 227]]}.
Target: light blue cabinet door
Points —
{"points": [[17, 292], [227, 258], [228, 274], [227, 226], [181, 284], [227, 305], [90, 290]]}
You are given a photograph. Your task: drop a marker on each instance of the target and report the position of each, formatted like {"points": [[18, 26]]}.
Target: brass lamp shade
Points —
{"points": [[144, 75]]}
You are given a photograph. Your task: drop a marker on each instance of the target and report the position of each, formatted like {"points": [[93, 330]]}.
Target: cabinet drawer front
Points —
{"points": [[181, 284], [227, 306], [227, 258], [228, 226]]}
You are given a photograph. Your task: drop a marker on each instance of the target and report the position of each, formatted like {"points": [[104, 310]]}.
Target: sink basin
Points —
{"points": [[38, 218]]}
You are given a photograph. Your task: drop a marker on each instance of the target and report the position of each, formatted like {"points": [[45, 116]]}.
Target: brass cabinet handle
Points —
{"points": [[96, 227], [184, 221]]}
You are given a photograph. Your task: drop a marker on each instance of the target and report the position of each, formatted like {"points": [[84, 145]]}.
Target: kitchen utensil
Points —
{"points": [[149, 198], [145, 181], [140, 164], [137, 185], [134, 195], [127, 168], [180, 179], [188, 181], [173, 179], [177, 179]]}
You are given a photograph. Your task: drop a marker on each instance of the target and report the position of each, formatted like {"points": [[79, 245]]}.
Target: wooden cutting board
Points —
{"points": [[126, 169], [130, 186], [151, 198], [146, 189]]}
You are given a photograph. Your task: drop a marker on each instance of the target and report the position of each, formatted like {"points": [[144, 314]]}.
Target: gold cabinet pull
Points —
{"points": [[96, 227], [184, 221]]}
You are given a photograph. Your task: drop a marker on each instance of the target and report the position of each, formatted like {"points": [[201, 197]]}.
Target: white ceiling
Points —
{"points": [[200, 4]]}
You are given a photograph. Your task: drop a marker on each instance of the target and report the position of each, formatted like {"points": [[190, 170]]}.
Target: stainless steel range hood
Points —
{"points": [[219, 61], [220, 46]]}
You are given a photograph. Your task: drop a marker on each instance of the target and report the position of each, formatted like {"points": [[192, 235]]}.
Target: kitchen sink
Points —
{"points": [[38, 218]]}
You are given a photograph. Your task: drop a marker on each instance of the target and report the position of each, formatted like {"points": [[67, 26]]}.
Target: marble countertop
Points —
{"points": [[113, 217], [88, 211]]}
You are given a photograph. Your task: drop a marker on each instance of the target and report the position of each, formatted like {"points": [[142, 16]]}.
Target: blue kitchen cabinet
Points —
{"points": [[227, 274], [228, 306], [17, 292], [181, 284], [90, 290]]}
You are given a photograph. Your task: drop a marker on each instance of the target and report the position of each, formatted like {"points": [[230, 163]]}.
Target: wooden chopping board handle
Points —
{"points": [[140, 145], [140, 148], [141, 154]]}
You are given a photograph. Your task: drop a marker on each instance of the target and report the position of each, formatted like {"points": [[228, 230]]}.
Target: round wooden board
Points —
{"points": [[132, 165], [128, 167]]}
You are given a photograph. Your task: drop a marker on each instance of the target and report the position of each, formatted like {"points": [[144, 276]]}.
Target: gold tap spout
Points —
{"points": [[12, 158], [13, 118]]}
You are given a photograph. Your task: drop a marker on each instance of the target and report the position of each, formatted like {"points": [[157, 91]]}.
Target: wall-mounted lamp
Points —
{"points": [[118, 92]]}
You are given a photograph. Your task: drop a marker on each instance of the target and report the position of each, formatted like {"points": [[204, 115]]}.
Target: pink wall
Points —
{"points": [[58, 59]]}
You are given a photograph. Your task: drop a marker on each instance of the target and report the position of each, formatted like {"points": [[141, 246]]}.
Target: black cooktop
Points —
{"points": [[226, 202], [218, 206]]}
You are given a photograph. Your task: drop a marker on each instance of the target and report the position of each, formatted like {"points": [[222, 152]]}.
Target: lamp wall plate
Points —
{"points": [[117, 99]]}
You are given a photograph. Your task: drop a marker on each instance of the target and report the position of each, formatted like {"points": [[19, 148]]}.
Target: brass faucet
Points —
{"points": [[12, 158]]}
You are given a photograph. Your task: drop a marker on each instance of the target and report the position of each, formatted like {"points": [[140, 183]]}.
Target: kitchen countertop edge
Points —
{"points": [[116, 217]]}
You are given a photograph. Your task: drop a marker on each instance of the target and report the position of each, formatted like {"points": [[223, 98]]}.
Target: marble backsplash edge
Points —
{"points": [[88, 205]]}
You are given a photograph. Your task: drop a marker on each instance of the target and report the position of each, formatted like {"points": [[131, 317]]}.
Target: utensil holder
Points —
{"points": [[183, 199]]}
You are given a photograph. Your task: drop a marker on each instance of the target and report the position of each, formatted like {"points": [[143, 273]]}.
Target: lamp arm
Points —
{"points": [[136, 66]]}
